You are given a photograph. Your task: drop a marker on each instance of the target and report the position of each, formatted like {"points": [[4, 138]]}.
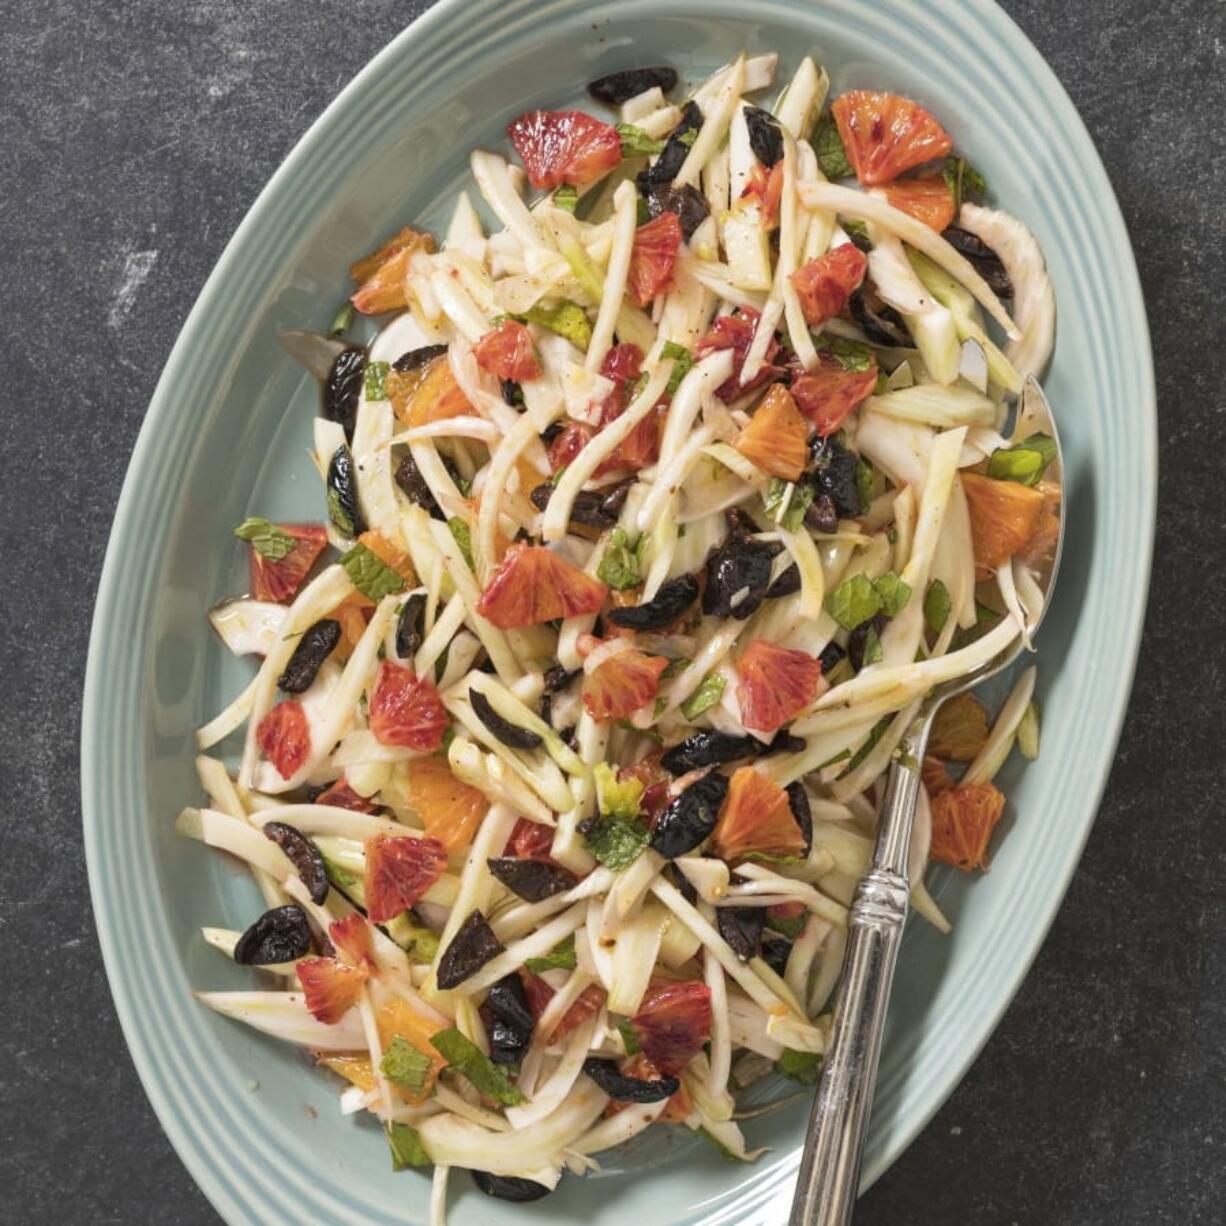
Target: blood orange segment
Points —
{"points": [[331, 988], [284, 737], [824, 284], [530, 841], [429, 393], [533, 585], [927, 199], [673, 1023], [351, 936], [589, 1003], [885, 134], [622, 684], [570, 440], [381, 275], [559, 147], [398, 1019], [641, 446], [756, 820], [1004, 517], [652, 259], [777, 437], [766, 188], [776, 684], [406, 709], [1047, 530], [829, 392], [341, 796], [963, 818], [679, 1106], [399, 870], [280, 579], [450, 810], [736, 332], [508, 352]]}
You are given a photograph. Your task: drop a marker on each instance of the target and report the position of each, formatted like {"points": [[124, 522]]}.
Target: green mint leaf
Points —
{"points": [[629, 1037], [407, 1149], [853, 227], [615, 841], [463, 537], [894, 593], [642, 214], [828, 145], [636, 143], [802, 1066], [850, 355], [566, 197], [342, 321], [675, 668], [374, 377], [370, 574], [710, 690], [873, 653], [567, 319], [855, 600], [405, 1066], [936, 606], [560, 958], [873, 737], [683, 361], [619, 567], [1025, 462], [963, 180], [340, 877], [265, 538], [421, 944], [616, 797], [786, 503], [865, 481], [466, 1058]]}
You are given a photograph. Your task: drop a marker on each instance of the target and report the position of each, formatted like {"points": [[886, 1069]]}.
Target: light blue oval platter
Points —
{"points": [[227, 435]]}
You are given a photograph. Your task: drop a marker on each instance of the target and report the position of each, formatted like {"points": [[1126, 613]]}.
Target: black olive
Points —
{"points": [[558, 678], [832, 653], [664, 169], [344, 509], [619, 87], [787, 583], [798, 802], [279, 935], [616, 1084], [857, 640], [473, 945], [512, 393], [742, 928], [784, 742], [410, 624], [551, 432], [589, 509], [765, 136], [821, 514], [511, 1032], [509, 1187], [739, 568], [740, 522], [614, 498], [690, 817], [303, 855], [834, 473], [664, 608], [882, 325], [860, 240], [684, 885], [708, 749], [985, 261], [775, 951], [532, 880], [511, 735], [408, 477], [343, 389], [314, 647], [416, 358], [687, 202]]}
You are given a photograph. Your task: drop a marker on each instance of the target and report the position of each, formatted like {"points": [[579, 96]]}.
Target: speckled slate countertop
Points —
{"points": [[133, 138]]}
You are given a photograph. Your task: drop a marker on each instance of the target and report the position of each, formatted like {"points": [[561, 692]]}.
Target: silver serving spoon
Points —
{"points": [[830, 1166]]}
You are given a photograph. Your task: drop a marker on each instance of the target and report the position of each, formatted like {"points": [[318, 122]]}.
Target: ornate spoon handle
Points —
{"points": [[830, 1167]]}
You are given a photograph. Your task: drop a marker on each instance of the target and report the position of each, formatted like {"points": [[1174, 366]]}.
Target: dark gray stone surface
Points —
{"points": [[133, 137]]}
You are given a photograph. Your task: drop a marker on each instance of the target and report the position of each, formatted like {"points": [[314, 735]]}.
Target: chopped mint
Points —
{"points": [[683, 361], [828, 145], [370, 574], [615, 841], [567, 319], [463, 537], [802, 1066], [566, 197], [374, 379], [936, 606], [710, 690], [560, 958], [405, 1066], [675, 668], [636, 143], [1025, 461], [866, 480], [629, 1037], [342, 321], [963, 180], [407, 1149], [466, 1058], [265, 538], [620, 565], [796, 498], [894, 593], [854, 601], [850, 355]]}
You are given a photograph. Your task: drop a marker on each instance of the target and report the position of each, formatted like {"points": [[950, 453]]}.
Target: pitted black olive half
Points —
{"points": [[511, 735], [738, 574], [303, 855], [473, 945], [689, 818], [279, 935], [314, 647], [616, 1084], [532, 880], [742, 928], [342, 389], [509, 1187], [619, 87], [409, 625], [662, 609]]}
